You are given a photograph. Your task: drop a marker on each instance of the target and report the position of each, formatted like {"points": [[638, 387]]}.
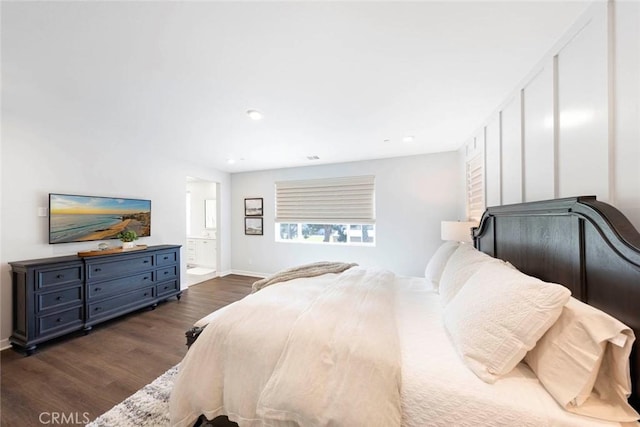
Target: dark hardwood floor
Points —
{"points": [[84, 376]]}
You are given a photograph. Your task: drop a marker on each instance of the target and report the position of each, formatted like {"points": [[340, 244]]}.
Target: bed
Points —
{"points": [[421, 369]]}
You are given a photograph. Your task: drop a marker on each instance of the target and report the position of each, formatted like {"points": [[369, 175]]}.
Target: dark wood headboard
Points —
{"points": [[586, 245]]}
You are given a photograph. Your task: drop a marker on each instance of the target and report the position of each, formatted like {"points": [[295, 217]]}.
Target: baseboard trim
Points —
{"points": [[249, 273], [5, 344]]}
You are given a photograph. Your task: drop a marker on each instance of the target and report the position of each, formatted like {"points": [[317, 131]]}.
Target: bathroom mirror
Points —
{"points": [[209, 214]]}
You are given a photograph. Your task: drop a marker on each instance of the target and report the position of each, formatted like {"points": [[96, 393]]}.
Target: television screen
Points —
{"points": [[85, 218]]}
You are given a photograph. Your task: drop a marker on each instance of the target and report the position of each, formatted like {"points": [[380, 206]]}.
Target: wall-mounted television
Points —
{"points": [[75, 218]]}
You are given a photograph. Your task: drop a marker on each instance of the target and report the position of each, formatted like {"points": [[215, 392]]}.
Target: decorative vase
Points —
{"points": [[128, 245]]}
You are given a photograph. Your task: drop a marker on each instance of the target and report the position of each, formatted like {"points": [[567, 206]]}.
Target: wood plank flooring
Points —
{"points": [[84, 376]]}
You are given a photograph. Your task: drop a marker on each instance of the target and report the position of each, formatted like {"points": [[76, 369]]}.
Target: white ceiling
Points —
{"points": [[339, 80]]}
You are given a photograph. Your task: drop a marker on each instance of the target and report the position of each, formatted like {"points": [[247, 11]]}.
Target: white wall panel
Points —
{"points": [[538, 145], [512, 152], [627, 110], [493, 168], [583, 150], [597, 140]]}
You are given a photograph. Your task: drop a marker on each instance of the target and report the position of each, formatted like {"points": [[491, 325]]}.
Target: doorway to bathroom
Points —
{"points": [[201, 251]]}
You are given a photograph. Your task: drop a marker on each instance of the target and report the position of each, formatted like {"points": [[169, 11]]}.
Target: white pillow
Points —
{"points": [[583, 362], [465, 261], [498, 316], [436, 264]]}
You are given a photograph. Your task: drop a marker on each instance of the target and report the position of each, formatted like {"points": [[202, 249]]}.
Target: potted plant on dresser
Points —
{"points": [[127, 237]]}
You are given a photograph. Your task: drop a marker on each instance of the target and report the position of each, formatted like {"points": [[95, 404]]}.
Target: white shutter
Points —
{"points": [[347, 200], [475, 188]]}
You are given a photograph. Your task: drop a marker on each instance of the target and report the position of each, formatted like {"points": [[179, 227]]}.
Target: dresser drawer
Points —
{"points": [[117, 304], [166, 273], [117, 268], [58, 276], [166, 258], [61, 320], [167, 288], [119, 286], [59, 298]]}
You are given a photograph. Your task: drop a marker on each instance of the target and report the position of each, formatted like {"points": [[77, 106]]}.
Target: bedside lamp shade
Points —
{"points": [[457, 231]]}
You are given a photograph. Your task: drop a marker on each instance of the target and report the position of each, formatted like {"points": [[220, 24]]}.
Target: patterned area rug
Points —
{"points": [[149, 406]]}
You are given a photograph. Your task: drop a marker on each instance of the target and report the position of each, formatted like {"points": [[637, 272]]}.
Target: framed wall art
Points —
{"points": [[253, 226], [253, 207]]}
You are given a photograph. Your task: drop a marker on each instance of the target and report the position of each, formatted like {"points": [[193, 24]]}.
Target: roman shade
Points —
{"points": [[345, 200]]}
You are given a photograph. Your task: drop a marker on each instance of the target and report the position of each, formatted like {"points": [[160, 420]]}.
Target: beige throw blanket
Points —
{"points": [[307, 270], [311, 352]]}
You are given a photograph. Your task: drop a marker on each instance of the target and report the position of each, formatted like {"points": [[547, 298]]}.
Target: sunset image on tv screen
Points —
{"points": [[84, 218]]}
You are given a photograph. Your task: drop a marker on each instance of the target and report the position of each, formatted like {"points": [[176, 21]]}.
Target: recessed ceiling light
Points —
{"points": [[408, 138], [254, 114], [386, 141], [230, 161]]}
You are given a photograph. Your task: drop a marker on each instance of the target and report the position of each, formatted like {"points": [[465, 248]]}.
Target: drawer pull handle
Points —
{"points": [[146, 261], [98, 289], [166, 272], [59, 319], [166, 257], [146, 294], [97, 309], [59, 298], [97, 269], [60, 276]]}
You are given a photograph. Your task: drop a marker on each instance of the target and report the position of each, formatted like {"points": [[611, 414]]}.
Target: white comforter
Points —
{"points": [[308, 352]]}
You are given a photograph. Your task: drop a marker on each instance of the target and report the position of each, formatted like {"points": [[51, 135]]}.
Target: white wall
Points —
{"points": [[538, 149], [413, 194], [493, 160], [582, 98], [511, 151], [626, 104], [572, 126], [5, 299], [36, 162]]}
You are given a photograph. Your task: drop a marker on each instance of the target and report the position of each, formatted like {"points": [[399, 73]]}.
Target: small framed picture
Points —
{"points": [[253, 207], [253, 226]]}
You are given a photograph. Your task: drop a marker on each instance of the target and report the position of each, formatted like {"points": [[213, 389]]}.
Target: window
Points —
{"points": [[359, 234], [334, 210], [475, 187]]}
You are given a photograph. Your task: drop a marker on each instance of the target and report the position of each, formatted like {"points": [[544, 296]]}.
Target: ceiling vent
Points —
{"points": [[313, 158]]}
